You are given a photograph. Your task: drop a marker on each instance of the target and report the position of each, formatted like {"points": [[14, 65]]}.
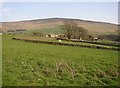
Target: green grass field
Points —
{"points": [[32, 64]]}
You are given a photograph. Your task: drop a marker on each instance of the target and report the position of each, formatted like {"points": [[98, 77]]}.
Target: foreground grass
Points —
{"points": [[32, 64]]}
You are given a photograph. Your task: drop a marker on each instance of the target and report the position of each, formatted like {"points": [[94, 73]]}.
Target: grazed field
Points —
{"points": [[43, 38], [32, 64]]}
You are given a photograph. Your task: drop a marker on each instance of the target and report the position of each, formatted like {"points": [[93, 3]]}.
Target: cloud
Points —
{"points": [[0, 10], [0, 6], [0, 1], [6, 11]]}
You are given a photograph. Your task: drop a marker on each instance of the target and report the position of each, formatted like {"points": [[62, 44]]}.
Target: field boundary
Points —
{"points": [[64, 44], [99, 43]]}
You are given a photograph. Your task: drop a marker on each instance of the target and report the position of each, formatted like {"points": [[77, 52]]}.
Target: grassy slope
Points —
{"points": [[46, 30], [35, 64]]}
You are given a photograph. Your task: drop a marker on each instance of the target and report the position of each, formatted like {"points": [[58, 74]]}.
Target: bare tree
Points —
{"points": [[69, 27], [80, 32], [72, 30], [39, 34]]}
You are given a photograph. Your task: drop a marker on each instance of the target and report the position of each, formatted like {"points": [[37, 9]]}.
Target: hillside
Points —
{"points": [[91, 26]]}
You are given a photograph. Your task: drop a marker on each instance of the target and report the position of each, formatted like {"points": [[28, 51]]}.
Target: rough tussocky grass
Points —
{"points": [[32, 64]]}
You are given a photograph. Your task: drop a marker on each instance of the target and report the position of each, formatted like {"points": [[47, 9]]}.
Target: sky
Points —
{"points": [[95, 11], [60, 0]]}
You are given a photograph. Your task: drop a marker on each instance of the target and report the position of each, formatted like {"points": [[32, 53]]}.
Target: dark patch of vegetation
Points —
{"points": [[111, 37]]}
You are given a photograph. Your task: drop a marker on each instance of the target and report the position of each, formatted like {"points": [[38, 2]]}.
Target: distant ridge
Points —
{"points": [[63, 19], [91, 26]]}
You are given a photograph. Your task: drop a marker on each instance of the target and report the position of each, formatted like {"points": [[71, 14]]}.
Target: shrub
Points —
{"points": [[39, 34]]}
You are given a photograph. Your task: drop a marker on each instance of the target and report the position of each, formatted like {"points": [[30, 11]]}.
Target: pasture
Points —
{"points": [[57, 29], [32, 64]]}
